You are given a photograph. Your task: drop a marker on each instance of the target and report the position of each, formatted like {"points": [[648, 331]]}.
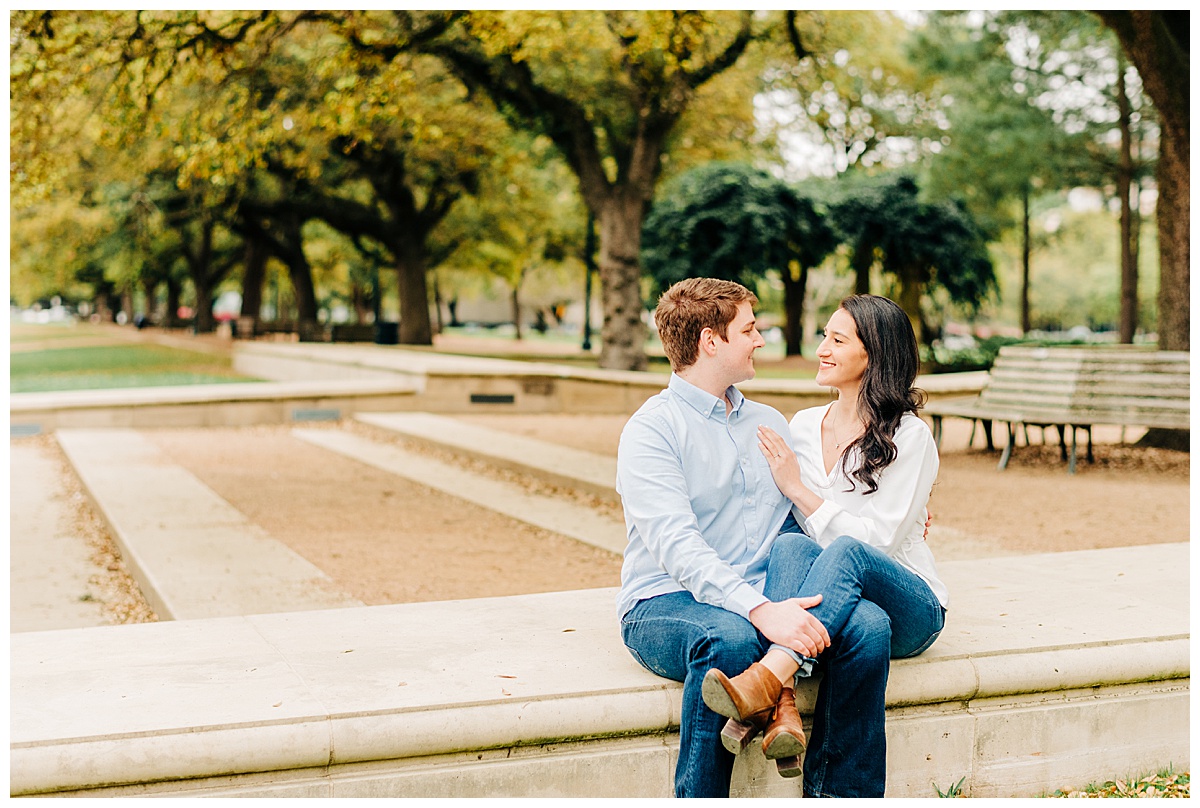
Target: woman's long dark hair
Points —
{"points": [[887, 391]]}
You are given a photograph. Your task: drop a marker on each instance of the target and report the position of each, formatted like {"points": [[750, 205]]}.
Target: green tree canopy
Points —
{"points": [[921, 245], [525, 226], [859, 94], [1032, 105], [252, 124], [732, 221], [609, 88]]}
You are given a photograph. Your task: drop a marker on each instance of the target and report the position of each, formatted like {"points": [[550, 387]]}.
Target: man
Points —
{"points": [[699, 586]]}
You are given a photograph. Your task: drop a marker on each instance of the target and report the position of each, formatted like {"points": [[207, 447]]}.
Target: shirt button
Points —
{"points": [[749, 501]]}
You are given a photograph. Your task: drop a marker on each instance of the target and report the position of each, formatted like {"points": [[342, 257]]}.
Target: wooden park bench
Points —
{"points": [[1075, 388]]}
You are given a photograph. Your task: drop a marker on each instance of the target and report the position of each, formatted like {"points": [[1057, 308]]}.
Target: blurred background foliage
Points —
{"points": [[995, 172]]}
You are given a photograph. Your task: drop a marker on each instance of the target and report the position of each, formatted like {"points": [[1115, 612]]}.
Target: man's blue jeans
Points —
{"points": [[873, 611]]}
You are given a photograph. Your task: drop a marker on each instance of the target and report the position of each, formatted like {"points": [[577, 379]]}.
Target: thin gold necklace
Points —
{"points": [[838, 443]]}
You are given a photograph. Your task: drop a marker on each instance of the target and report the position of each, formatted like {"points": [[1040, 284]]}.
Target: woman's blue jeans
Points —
{"points": [[874, 610]]}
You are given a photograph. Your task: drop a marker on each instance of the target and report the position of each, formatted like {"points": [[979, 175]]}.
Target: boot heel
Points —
{"points": [[783, 743], [789, 766], [736, 735]]}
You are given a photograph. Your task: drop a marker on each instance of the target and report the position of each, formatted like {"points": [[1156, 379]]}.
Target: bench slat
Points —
{"points": [[1114, 385]]}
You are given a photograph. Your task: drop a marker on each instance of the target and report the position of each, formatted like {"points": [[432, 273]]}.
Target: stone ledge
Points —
{"points": [[417, 362], [277, 693], [20, 403], [312, 381], [451, 383], [235, 404]]}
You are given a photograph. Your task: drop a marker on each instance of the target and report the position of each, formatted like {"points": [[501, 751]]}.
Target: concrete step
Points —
{"points": [[1053, 670], [235, 404], [50, 566], [557, 514], [454, 384], [593, 473], [192, 553]]}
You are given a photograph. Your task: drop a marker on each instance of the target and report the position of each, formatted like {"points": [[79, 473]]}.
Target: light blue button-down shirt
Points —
{"points": [[701, 508]]}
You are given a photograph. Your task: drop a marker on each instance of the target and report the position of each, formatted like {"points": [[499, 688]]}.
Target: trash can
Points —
{"points": [[387, 333]]}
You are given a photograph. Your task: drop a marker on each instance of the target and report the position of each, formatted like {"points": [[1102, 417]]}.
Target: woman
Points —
{"points": [[859, 479]]}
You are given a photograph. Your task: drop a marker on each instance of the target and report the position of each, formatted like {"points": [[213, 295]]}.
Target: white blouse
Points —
{"points": [[893, 518]]}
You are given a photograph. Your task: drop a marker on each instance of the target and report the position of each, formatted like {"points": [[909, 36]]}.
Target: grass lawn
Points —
{"points": [[1165, 783], [115, 366], [49, 357], [19, 332]]}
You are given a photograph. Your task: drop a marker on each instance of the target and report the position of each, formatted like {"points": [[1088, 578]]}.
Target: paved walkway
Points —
{"points": [[49, 566], [559, 465], [193, 554], [558, 514]]}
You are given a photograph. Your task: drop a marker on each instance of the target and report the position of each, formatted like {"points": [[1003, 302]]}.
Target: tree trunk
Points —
{"points": [[203, 321], [202, 314], [376, 294], [1174, 313], [1026, 270], [112, 302], [1157, 44], [623, 334], [861, 262], [415, 326], [588, 142], [516, 308], [199, 261], [149, 288], [300, 274], [127, 303], [103, 307], [910, 301], [171, 319], [1135, 247], [793, 307], [359, 302], [437, 304], [1127, 322], [1179, 440], [254, 271], [1174, 210], [1165, 77]]}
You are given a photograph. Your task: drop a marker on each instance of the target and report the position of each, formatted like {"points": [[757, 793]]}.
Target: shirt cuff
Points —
{"points": [[745, 599], [818, 521]]}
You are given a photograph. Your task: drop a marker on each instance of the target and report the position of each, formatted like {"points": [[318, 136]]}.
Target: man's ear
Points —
{"points": [[708, 342]]}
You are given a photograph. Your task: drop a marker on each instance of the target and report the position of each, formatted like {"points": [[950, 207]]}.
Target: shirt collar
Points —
{"points": [[704, 402]]}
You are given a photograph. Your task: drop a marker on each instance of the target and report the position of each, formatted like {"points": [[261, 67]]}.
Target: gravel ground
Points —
{"points": [[387, 540], [380, 537]]}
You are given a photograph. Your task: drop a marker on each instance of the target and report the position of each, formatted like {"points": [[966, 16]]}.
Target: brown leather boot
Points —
{"points": [[784, 740], [749, 697], [736, 736]]}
